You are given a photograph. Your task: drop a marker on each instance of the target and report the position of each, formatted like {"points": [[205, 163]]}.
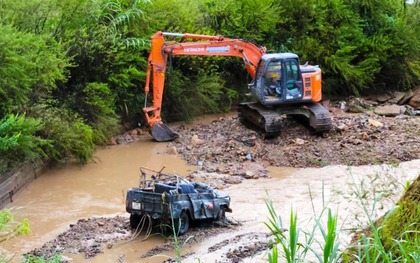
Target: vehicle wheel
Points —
{"points": [[221, 217], [134, 220], [182, 223]]}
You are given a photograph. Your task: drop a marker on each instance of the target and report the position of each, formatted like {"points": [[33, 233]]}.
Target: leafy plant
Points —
{"points": [[186, 97], [69, 135], [9, 227], [31, 65], [20, 141], [292, 249]]}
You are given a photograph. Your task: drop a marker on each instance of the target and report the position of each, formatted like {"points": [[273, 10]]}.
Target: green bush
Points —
{"points": [[69, 135], [30, 67], [20, 141], [185, 98]]}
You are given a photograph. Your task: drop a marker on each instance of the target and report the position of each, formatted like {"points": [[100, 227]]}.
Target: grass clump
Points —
{"points": [[292, 250]]}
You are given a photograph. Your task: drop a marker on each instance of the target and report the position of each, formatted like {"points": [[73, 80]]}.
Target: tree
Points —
{"points": [[31, 65]]}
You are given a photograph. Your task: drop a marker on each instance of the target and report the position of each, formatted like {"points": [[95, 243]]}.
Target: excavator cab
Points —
{"points": [[278, 80]]}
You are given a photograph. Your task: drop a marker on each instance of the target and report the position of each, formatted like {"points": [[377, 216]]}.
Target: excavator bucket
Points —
{"points": [[162, 133]]}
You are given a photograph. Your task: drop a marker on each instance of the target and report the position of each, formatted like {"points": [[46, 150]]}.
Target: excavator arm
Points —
{"points": [[199, 45]]}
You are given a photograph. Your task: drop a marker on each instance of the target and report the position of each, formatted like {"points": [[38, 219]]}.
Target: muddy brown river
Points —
{"points": [[64, 195]]}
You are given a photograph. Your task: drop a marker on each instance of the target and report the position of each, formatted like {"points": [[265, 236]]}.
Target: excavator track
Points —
{"points": [[261, 117], [271, 120], [320, 118]]}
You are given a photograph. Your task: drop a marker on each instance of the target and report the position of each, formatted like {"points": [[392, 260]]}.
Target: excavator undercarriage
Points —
{"points": [[270, 120]]}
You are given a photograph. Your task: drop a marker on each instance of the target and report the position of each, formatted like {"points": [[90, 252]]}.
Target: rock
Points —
{"points": [[375, 123], [220, 187], [357, 105], [100, 223], [383, 98], [112, 141], [232, 179], [415, 100], [403, 110], [248, 157], [299, 141], [196, 141], [249, 175], [397, 97], [341, 127], [355, 109], [371, 102], [120, 140], [408, 95], [65, 259], [343, 106], [389, 110], [364, 136], [327, 104], [410, 110], [140, 131], [172, 150], [402, 117], [133, 132]]}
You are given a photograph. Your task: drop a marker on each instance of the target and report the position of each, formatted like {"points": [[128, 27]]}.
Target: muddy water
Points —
{"points": [[63, 196]]}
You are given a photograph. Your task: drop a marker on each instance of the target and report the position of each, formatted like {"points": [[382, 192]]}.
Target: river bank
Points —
{"points": [[66, 197]]}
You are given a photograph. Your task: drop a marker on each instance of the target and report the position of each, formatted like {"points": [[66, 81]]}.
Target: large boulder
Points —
{"points": [[408, 95], [397, 97], [355, 105], [415, 100], [390, 110]]}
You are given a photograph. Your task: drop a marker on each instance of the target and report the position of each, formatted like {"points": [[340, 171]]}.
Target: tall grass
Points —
{"points": [[321, 241], [292, 249], [289, 244], [175, 232]]}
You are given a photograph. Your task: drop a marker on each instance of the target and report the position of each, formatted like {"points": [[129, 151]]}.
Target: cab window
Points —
{"points": [[260, 70], [292, 70]]}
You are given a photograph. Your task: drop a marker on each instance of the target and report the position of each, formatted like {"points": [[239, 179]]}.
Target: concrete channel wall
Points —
{"points": [[19, 180]]}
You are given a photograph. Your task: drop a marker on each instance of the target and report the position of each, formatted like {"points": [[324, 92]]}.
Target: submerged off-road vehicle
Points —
{"points": [[170, 200]]}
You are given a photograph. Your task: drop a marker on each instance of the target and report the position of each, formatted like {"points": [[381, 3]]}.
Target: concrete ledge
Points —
{"points": [[19, 180]]}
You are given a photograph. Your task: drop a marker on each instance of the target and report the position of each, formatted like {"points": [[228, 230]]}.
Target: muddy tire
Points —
{"points": [[222, 215], [182, 223], [134, 220]]}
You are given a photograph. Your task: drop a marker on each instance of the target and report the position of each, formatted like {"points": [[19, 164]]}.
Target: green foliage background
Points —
{"points": [[71, 71]]}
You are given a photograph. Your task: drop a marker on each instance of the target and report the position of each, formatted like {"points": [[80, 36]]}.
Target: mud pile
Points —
{"points": [[88, 237], [227, 146]]}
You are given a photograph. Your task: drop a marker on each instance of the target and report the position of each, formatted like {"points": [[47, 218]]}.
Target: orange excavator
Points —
{"points": [[280, 86]]}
